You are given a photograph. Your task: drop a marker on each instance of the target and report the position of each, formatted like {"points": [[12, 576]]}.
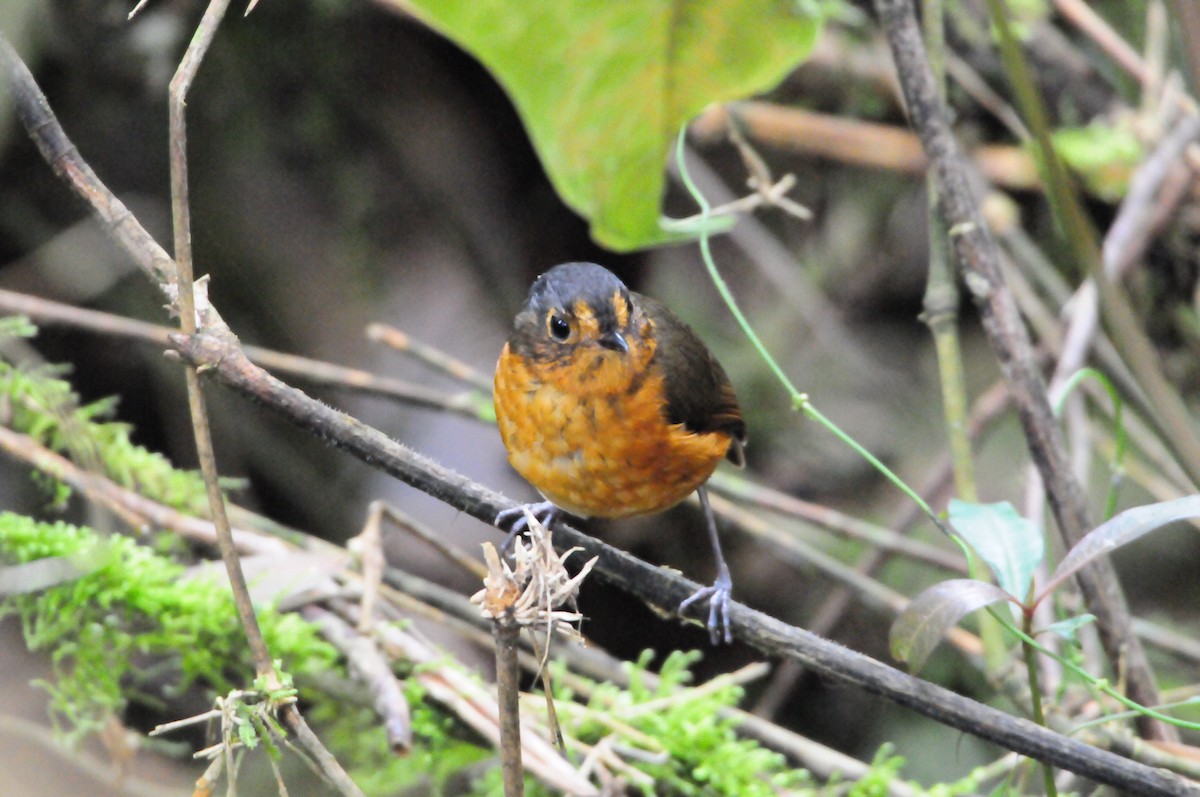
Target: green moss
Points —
{"points": [[134, 605], [42, 405], [706, 756], [439, 756]]}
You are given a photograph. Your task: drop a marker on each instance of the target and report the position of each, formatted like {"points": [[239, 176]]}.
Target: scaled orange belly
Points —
{"points": [[591, 436]]}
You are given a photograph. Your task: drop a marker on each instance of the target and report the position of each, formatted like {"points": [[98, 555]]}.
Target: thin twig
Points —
{"points": [[769, 192], [367, 546], [471, 702], [1168, 639], [979, 260], [50, 138], [986, 97], [309, 742], [1082, 16], [1021, 256], [1132, 230], [207, 783], [743, 675], [368, 663], [39, 121], [168, 727], [140, 512], [181, 214], [436, 541], [314, 372], [434, 357], [834, 521], [860, 143]]}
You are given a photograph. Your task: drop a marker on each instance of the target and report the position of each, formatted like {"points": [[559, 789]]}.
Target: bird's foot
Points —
{"points": [[718, 597], [517, 521]]}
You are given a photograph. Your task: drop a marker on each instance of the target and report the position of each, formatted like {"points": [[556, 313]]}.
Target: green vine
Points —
{"points": [[800, 401]]}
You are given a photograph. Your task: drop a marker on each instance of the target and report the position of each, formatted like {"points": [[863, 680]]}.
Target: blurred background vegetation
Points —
{"points": [[349, 165]]}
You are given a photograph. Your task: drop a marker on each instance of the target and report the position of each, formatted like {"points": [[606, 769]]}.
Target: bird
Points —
{"points": [[611, 406]]}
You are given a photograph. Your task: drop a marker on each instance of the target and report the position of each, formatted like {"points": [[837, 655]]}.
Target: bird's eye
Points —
{"points": [[560, 330]]}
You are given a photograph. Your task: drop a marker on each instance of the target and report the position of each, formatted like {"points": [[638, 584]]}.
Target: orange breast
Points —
{"points": [[592, 437]]}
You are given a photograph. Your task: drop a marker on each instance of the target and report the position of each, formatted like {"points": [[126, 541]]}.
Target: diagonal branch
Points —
{"points": [[36, 117], [976, 252], [181, 222], [665, 590], [45, 312], [42, 126]]}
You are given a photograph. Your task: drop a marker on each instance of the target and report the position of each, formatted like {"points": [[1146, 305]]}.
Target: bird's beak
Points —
{"points": [[614, 341]]}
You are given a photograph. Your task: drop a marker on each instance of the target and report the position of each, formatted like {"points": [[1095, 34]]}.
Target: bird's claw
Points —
{"points": [[718, 597], [516, 519]]}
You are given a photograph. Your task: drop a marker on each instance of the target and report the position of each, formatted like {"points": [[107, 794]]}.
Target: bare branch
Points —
{"points": [[979, 260], [45, 312], [665, 590], [369, 664]]}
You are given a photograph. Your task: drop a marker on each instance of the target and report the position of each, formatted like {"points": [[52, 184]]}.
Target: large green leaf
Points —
{"points": [[603, 85]]}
